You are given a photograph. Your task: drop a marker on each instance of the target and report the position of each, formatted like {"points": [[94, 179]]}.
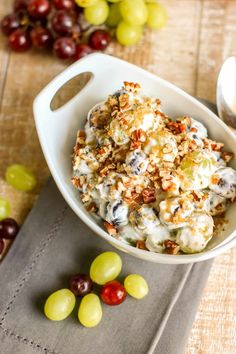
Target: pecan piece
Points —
{"points": [[227, 156], [111, 229], [148, 195], [171, 247], [132, 86], [91, 208], [76, 182], [141, 245], [135, 145], [139, 135], [166, 185]]}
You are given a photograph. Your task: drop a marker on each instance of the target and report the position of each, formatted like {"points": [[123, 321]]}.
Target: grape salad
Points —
{"points": [[157, 183]]}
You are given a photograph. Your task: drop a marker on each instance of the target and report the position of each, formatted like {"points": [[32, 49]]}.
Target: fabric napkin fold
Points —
{"points": [[54, 244]]}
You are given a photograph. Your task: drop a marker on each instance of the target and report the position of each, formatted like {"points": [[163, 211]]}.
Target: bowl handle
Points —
{"points": [[94, 63]]}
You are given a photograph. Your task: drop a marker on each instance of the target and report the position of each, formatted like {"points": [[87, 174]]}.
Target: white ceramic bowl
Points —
{"points": [[57, 134]]}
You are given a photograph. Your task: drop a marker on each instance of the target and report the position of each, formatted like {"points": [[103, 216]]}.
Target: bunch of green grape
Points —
{"points": [[127, 16]]}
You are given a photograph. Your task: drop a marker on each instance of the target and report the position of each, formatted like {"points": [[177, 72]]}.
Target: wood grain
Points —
{"points": [[188, 52]]}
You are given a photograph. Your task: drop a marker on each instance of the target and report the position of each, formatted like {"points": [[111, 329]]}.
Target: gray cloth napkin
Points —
{"points": [[53, 244]]}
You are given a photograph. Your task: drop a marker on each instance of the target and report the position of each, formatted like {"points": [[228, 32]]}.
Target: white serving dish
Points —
{"points": [[57, 134]]}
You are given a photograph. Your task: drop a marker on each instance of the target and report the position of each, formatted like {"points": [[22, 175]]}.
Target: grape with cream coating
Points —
{"points": [[156, 182]]}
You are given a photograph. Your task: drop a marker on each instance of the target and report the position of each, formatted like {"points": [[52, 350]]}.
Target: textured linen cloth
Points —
{"points": [[54, 244]]}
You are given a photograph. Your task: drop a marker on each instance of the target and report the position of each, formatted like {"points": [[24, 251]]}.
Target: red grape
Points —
{"points": [[64, 4], [64, 48], [113, 293], [63, 22], [81, 284], [82, 50], [10, 23], [39, 8], [8, 228], [20, 5], [19, 40], [2, 244], [99, 39], [41, 37]]}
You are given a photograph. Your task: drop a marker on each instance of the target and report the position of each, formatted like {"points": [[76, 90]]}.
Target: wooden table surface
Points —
{"points": [[189, 53]]}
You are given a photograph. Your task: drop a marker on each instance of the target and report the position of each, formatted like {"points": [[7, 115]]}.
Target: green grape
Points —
{"points": [[196, 169], [90, 311], [134, 12], [98, 13], [127, 34], [19, 177], [59, 305], [86, 3], [157, 16], [114, 16], [114, 1], [136, 286], [105, 267], [5, 208]]}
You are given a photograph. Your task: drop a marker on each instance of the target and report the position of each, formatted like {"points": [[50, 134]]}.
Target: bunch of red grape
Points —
{"points": [[67, 26], [52, 24]]}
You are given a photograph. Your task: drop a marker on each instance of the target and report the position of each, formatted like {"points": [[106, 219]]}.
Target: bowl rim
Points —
{"points": [[83, 215]]}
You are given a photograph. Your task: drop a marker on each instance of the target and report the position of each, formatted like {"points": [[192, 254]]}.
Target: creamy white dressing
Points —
{"points": [[175, 212], [154, 241], [195, 237], [223, 182], [174, 215]]}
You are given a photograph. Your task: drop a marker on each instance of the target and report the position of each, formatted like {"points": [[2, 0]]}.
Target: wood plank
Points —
{"points": [[188, 52], [27, 74], [5, 7], [214, 327], [214, 330], [172, 52], [217, 42]]}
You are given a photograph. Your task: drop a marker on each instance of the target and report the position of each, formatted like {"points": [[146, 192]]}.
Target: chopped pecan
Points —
{"points": [[149, 195], [133, 199], [196, 196], [111, 229], [141, 245], [76, 182], [214, 179], [81, 134], [139, 135], [120, 187], [167, 148], [91, 207], [166, 185], [112, 101], [193, 130], [100, 119], [135, 145], [176, 127], [105, 169], [227, 156], [171, 247], [124, 101], [85, 197], [212, 145], [132, 87], [124, 121]]}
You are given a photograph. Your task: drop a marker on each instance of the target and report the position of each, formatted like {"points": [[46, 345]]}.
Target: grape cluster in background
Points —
{"points": [[75, 28]]}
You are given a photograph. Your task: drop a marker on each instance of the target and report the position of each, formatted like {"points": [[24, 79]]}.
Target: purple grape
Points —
{"points": [[10, 23], [8, 228], [80, 284]]}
